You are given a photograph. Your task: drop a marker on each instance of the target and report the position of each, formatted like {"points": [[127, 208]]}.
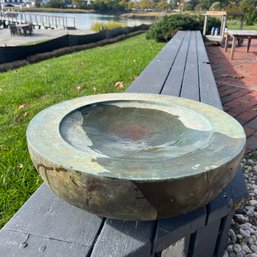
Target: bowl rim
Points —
{"points": [[44, 137]]}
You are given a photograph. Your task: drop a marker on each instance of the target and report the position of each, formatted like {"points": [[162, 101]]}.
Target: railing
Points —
{"points": [[41, 20]]}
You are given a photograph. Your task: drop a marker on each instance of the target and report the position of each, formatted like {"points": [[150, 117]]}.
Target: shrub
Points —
{"points": [[251, 17], [98, 26], [167, 27]]}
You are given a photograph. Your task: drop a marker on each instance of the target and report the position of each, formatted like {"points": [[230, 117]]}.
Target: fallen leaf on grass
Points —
{"points": [[94, 89], [26, 114], [22, 106], [119, 85], [79, 88], [20, 166]]}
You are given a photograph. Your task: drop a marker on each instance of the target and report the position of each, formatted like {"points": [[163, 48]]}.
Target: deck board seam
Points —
{"points": [[183, 77], [167, 76]]}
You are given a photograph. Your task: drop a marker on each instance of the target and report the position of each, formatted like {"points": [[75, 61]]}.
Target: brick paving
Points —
{"points": [[237, 84]]}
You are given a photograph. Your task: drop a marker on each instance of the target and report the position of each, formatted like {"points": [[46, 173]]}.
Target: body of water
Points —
{"points": [[84, 20]]}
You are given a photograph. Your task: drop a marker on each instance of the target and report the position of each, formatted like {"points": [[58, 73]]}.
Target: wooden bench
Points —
{"points": [[47, 226]]}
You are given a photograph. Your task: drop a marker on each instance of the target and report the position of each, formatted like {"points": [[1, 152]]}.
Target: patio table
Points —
{"points": [[239, 34]]}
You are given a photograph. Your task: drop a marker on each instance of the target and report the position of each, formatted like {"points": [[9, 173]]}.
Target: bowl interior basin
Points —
{"points": [[136, 130]]}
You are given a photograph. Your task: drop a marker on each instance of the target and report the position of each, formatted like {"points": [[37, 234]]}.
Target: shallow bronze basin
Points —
{"points": [[135, 156]]}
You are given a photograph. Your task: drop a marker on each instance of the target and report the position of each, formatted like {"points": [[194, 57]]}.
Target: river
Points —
{"points": [[84, 20]]}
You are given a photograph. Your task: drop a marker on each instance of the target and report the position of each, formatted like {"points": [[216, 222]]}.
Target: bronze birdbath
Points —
{"points": [[135, 156]]}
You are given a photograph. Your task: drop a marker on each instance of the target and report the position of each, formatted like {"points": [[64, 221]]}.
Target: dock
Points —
{"points": [[39, 20]]}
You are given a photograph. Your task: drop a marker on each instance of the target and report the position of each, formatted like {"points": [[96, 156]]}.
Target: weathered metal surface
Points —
{"points": [[135, 156]]}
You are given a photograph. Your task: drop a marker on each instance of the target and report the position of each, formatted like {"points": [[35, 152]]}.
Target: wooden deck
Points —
{"points": [[48, 226]]}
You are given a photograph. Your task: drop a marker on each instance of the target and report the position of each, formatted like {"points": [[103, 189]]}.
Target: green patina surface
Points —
{"points": [[135, 156]]}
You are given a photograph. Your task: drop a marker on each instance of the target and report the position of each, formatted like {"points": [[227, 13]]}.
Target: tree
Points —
{"points": [[55, 4], [131, 5], [249, 8], [37, 3], [145, 4], [215, 6], [247, 5], [107, 5], [174, 4], [200, 7], [162, 5], [188, 6], [123, 4]]}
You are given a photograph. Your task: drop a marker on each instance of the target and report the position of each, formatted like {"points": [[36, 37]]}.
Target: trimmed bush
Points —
{"points": [[167, 27]]}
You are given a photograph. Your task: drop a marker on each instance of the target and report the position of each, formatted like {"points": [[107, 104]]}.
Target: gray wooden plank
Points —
{"points": [[45, 215], [201, 50], [170, 230], [124, 239], [220, 206], [190, 87], [239, 188], [208, 89], [174, 81], [17, 244], [205, 241], [152, 78], [223, 237], [234, 192]]}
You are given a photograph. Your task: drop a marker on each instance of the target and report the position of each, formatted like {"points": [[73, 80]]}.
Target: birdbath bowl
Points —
{"points": [[135, 156]]}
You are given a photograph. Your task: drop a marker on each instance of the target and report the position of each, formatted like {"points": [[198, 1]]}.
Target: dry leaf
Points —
{"points": [[94, 89], [79, 88], [22, 106], [119, 85], [20, 166], [26, 114]]}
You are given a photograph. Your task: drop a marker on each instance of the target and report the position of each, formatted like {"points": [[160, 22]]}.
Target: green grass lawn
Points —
{"points": [[235, 24], [30, 89]]}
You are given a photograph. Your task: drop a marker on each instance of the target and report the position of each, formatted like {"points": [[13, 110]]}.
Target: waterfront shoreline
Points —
{"points": [[50, 10], [38, 35]]}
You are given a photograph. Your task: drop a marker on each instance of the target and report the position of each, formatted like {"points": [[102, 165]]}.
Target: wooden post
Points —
{"points": [[248, 44], [223, 25], [226, 42], [241, 22], [233, 47], [204, 26]]}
